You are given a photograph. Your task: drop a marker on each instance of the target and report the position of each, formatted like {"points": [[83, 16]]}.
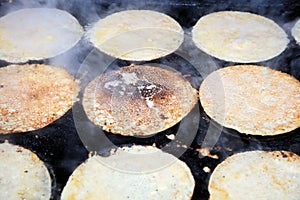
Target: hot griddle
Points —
{"points": [[63, 144]]}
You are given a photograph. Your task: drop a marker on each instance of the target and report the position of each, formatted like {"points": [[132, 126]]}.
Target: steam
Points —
{"points": [[85, 63], [88, 12]]}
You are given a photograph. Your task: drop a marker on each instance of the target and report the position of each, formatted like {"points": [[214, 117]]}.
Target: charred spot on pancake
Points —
{"points": [[283, 154], [149, 90], [162, 116]]}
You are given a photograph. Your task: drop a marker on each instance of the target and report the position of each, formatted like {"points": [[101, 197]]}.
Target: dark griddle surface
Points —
{"points": [[59, 145]]}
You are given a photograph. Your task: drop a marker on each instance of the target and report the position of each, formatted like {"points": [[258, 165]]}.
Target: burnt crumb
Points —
{"points": [[26, 171], [1, 86]]}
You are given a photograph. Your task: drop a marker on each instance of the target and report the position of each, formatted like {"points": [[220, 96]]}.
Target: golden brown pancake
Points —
{"points": [[239, 36], [252, 99], [136, 35], [128, 174], [138, 100], [33, 96], [37, 33], [23, 175], [257, 175]]}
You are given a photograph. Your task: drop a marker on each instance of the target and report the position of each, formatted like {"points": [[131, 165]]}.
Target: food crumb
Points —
{"points": [[228, 149], [204, 152], [171, 137], [206, 169]]}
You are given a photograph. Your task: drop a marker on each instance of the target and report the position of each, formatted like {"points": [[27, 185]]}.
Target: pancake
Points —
{"points": [[138, 100], [296, 31], [136, 35], [257, 175], [23, 175], [33, 96], [37, 33], [252, 99], [239, 36], [128, 174]]}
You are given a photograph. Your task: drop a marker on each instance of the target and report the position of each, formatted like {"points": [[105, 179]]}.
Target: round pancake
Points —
{"points": [[138, 100], [239, 36], [37, 33], [296, 31], [33, 96], [257, 175], [109, 178], [252, 99], [23, 175], [136, 35]]}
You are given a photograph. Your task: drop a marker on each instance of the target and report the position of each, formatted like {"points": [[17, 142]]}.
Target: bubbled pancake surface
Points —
{"points": [[23, 175], [257, 175], [252, 99], [138, 100], [33, 96]]}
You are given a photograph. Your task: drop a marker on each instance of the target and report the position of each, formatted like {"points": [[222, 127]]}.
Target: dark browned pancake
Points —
{"points": [[138, 100]]}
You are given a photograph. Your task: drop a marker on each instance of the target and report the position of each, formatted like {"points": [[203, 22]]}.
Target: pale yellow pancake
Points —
{"points": [[37, 33], [296, 31], [136, 35], [239, 36], [23, 175], [257, 175], [131, 173]]}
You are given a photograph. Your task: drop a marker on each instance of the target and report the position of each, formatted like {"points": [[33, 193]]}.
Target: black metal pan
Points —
{"points": [[62, 146]]}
